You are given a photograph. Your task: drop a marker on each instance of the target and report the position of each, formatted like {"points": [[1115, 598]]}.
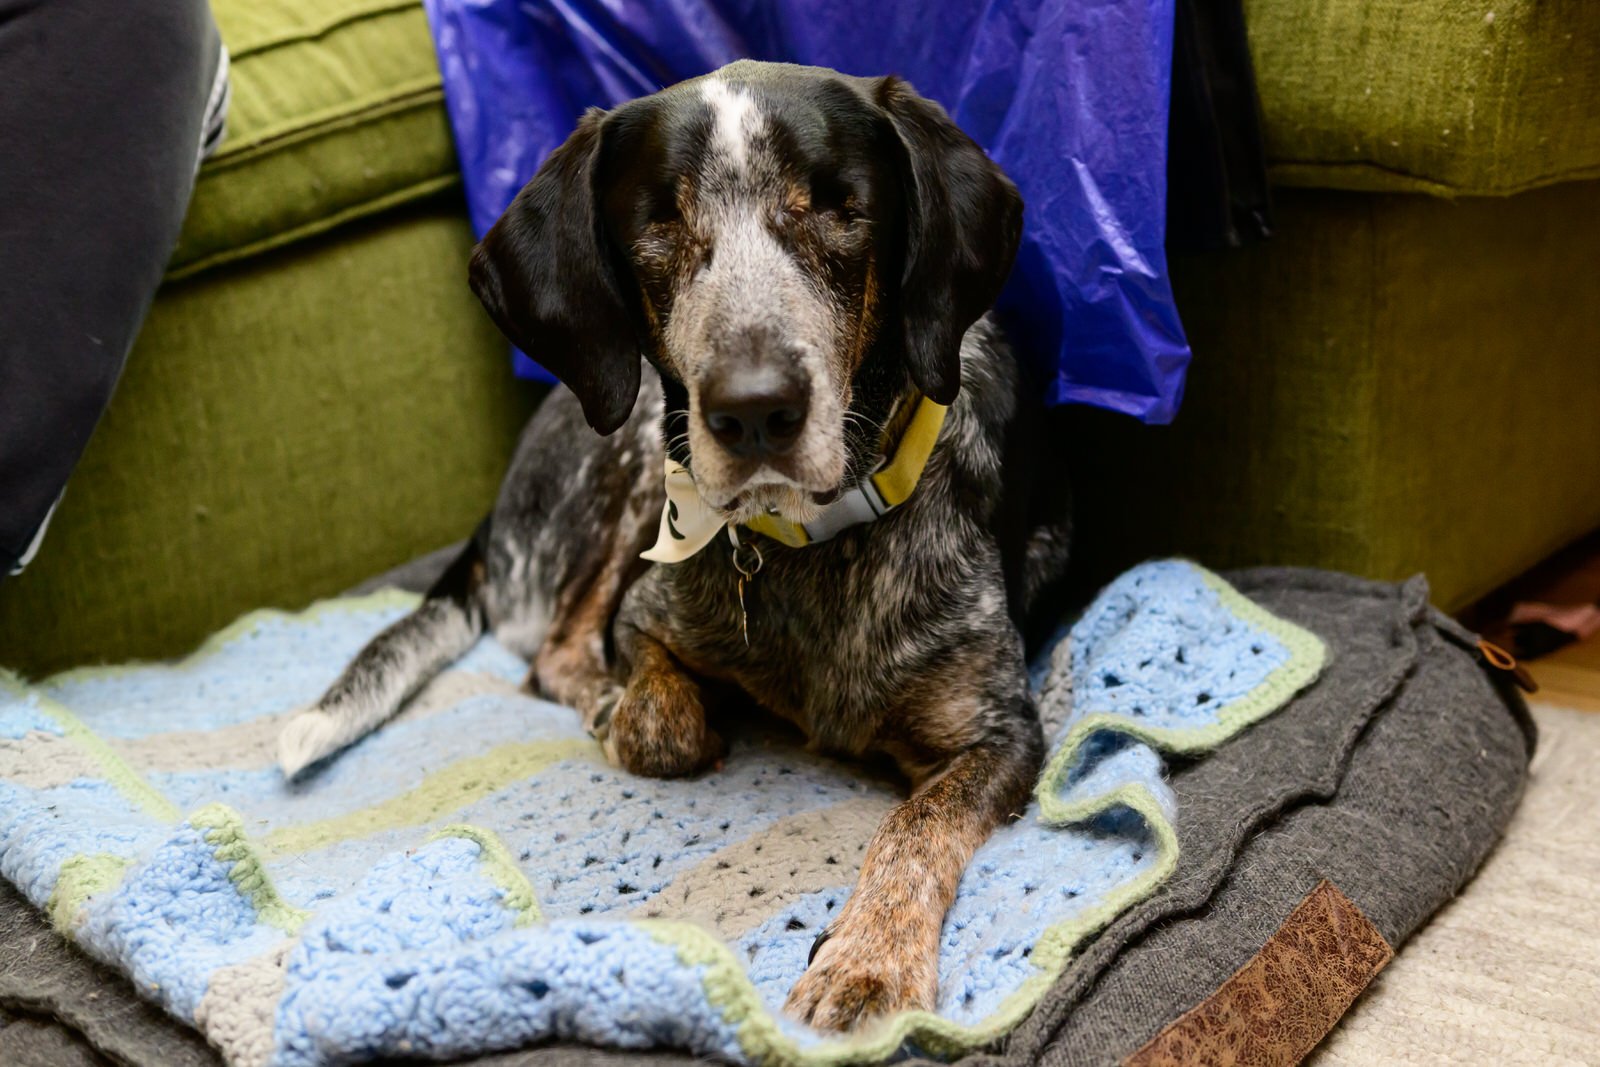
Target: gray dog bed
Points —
{"points": [[1383, 785]]}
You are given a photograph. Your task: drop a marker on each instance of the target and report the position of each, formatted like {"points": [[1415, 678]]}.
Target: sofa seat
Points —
{"points": [[1450, 97], [337, 113], [1392, 384]]}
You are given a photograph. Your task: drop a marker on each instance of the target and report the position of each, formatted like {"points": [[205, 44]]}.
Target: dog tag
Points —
{"points": [[747, 572]]}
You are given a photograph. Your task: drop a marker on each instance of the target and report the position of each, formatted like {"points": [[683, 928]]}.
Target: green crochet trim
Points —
{"points": [[1307, 656], [501, 869], [224, 830], [82, 876], [90, 874]]}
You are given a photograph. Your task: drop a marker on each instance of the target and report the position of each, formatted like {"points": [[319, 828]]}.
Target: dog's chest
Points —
{"points": [[836, 632]]}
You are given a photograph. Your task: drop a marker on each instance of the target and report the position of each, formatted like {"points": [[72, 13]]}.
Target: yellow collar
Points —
{"points": [[688, 525]]}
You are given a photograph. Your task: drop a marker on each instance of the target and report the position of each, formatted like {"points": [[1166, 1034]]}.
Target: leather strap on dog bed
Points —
{"points": [[1278, 1006]]}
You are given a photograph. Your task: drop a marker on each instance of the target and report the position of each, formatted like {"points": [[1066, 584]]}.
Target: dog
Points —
{"points": [[859, 521]]}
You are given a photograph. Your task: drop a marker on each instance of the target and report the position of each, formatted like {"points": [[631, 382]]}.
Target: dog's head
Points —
{"points": [[792, 249]]}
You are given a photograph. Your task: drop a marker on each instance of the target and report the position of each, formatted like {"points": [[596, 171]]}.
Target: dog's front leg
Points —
{"points": [[657, 727], [881, 955]]}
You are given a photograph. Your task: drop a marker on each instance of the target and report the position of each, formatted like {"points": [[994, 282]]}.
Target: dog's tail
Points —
{"points": [[393, 665]]}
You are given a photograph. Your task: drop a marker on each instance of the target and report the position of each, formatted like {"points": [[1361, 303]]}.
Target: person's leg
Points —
{"points": [[103, 116]]}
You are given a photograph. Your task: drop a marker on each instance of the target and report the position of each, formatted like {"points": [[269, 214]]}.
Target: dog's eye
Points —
{"points": [[663, 207], [834, 200], [840, 213]]}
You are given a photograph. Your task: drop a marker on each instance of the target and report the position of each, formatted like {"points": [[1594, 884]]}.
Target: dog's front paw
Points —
{"points": [[658, 730], [859, 973]]}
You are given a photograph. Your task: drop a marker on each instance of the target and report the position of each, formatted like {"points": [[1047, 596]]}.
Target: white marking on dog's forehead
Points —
{"points": [[737, 120]]}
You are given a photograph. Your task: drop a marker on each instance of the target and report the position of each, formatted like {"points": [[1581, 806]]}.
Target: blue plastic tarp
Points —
{"points": [[1069, 97]]}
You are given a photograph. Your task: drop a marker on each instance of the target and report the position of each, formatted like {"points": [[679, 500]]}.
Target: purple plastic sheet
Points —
{"points": [[1069, 97]]}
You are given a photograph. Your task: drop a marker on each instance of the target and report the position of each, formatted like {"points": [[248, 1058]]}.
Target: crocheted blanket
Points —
{"points": [[474, 876]]}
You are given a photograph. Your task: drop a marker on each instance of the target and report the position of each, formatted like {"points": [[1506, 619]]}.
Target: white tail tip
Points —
{"points": [[306, 738]]}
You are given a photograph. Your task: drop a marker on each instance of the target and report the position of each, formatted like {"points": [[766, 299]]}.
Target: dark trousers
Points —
{"points": [[103, 108]]}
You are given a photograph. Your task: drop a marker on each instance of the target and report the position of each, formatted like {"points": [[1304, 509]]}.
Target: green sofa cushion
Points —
{"points": [[1392, 384], [1452, 97], [337, 112]]}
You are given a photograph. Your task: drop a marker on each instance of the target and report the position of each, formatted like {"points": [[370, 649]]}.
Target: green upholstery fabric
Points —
{"points": [[337, 113], [1392, 384], [1451, 97], [285, 428]]}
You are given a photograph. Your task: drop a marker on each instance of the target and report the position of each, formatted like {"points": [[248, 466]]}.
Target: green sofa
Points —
{"points": [[1404, 378]]}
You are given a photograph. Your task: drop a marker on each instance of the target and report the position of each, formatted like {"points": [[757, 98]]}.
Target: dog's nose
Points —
{"points": [[758, 412]]}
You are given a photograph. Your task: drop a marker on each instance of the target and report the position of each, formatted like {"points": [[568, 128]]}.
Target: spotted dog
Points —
{"points": [[806, 260]]}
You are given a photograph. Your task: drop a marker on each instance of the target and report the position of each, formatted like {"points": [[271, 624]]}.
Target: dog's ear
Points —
{"points": [[546, 275], [963, 221]]}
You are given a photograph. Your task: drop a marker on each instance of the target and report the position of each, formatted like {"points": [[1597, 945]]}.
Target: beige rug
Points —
{"points": [[1508, 972]]}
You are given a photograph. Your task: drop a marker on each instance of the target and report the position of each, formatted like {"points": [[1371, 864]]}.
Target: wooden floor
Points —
{"points": [[1569, 677]]}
